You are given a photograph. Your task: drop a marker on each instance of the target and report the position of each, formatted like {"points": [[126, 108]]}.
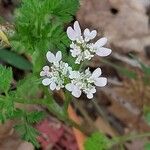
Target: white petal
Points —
{"points": [[86, 32], [58, 56], [97, 73], [101, 42], [53, 86], [77, 28], [57, 88], [102, 81], [69, 87], [50, 57], [76, 92], [89, 95], [46, 68], [71, 34], [103, 52], [46, 81], [42, 73], [93, 34]]}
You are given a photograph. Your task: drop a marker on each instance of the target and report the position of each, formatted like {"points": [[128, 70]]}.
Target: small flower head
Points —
{"points": [[86, 82], [45, 71], [81, 48], [55, 76]]}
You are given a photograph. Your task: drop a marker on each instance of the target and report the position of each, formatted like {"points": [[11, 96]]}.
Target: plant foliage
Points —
{"points": [[5, 78], [97, 141], [39, 26]]}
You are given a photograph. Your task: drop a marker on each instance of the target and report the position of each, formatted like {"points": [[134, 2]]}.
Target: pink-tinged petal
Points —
{"points": [[103, 52], [86, 32], [97, 72], [69, 87], [50, 57], [93, 34], [77, 28], [53, 86], [46, 68], [58, 56], [71, 34], [76, 92], [102, 81], [101, 42], [42, 74], [89, 95], [46, 81]]}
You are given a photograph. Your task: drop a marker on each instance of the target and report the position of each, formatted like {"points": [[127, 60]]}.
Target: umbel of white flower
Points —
{"points": [[86, 82], [55, 76], [81, 47], [61, 75]]}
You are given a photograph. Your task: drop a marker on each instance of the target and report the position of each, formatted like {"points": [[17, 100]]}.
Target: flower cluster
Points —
{"points": [[55, 75], [61, 75], [86, 82], [81, 47]]}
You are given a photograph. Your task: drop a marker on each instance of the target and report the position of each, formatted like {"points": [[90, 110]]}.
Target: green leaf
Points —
{"points": [[6, 77], [29, 117], [35, 24], [15, 60], [7, 109], [28, 133], [34, 117], [147, 146], [25, 128], [97, 141], [27, 88]]}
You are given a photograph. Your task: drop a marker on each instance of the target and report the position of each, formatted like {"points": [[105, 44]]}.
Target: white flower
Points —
{"points": [[98, 81], [54, 59], [74, 89], [89, 35], [81, 48], [100, 50], [45, 71], [55, 76], [74, 34], [75, 51], [86, 82]]}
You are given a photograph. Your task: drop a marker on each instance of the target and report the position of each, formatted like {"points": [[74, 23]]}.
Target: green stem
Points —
{"points": [[67, 101]]}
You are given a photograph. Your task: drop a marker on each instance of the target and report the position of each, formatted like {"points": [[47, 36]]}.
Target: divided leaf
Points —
{"points": [[35, 23], [7, 109], [6, 77], [27, 88], [28, 133], [25, 128]]}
